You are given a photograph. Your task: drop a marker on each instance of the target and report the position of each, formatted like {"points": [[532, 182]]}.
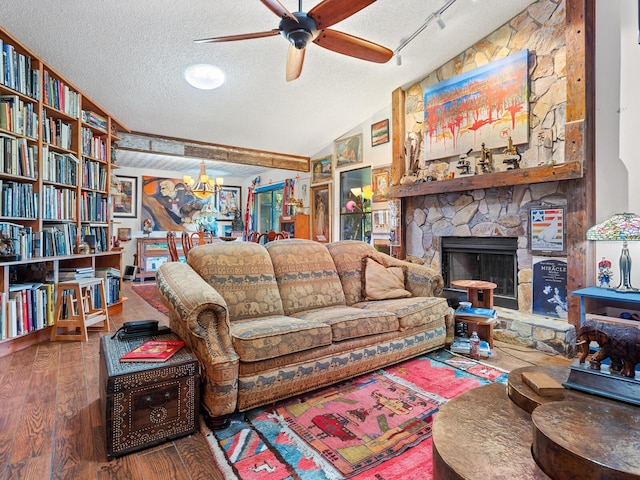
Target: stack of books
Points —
{"points": [[476, 313]]}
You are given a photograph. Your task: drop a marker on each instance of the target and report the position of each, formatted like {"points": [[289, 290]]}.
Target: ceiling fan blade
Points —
{"points": [[245, 36], [295, 59], [330, 12], [353, 46], [280, 10]]}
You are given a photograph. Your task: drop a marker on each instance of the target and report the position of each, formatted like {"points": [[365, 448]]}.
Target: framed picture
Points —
{"points": [[168, 205], [380, 133], [125, 196], [124, 234], [229, 202], [380, 221], [322, 169], [321, 213], [547, 229], [380, 180], [549, 285], [348, 151]]}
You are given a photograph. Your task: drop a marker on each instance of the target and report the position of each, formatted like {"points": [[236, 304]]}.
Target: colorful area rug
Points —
{"points": [[376, 426], [149, 293]]}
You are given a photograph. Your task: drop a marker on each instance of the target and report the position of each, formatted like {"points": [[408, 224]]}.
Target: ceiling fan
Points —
{"points": [[301, 27]]}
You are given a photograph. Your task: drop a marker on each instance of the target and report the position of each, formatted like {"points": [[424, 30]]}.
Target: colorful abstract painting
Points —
{"points": [[486, 105]]}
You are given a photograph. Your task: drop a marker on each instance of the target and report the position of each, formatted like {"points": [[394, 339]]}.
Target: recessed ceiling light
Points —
{"points": [[204, 76]]}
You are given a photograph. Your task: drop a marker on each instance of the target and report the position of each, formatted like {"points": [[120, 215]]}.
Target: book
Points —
{"points": [[543, 384], [476, 312], [153, 351]]}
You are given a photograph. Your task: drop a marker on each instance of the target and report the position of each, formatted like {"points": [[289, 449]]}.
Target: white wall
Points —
{"points": [[617, 122]]}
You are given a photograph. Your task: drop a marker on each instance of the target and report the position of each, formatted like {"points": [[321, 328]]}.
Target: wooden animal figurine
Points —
{"points": [[619, 343]]}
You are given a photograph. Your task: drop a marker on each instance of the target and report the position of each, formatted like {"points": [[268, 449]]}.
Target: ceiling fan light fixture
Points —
{"points": [[299, 38], [204, 76]]}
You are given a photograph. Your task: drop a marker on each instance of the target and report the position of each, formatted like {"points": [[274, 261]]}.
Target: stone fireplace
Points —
{"points": [[485, 215], [493, 259]]}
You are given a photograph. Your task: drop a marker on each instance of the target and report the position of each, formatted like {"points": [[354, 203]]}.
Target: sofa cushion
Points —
{"points": [[349, 322], [347, 256], [306, 275], [243, 274], [382, 283], [411, 312], [274, 336]]}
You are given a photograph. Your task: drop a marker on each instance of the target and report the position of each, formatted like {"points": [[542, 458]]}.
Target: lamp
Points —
{"points": [[203, 187], [621, 227]]}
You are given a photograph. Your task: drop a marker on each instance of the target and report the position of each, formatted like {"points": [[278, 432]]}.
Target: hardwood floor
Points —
{"points": [[51, 425]]}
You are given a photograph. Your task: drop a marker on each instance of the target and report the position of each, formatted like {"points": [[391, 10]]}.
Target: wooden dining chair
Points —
{"points": [[201, 238], [171, 246], [270, 237], [253, 236], [187, 244]]}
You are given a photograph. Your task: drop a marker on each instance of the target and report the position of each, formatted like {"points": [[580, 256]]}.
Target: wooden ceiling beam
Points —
{"points": [[178, 147]]}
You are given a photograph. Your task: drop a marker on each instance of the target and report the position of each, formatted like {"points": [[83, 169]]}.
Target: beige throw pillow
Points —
{"points": [[382, 283]]}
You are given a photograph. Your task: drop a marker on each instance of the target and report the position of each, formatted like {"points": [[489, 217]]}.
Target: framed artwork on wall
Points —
{"points": [[322, 169], [547, 229], [229, 202], [125, 196], [380, 180], [124, 234], [449, 127], [348, 151], [168, 205], [321, 213], [380, 133]]}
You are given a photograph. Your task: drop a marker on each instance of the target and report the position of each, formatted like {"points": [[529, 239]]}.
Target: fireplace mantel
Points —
{"points": [[546, 173]]}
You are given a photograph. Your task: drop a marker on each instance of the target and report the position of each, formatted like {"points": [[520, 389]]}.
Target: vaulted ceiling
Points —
{"points": [[129, 56]]}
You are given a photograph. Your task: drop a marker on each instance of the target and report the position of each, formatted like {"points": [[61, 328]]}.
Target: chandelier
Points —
{"points": [[202, 187]]}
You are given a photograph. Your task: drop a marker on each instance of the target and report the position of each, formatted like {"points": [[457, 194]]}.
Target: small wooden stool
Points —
{"points": [[75, 299], [472, 287]]}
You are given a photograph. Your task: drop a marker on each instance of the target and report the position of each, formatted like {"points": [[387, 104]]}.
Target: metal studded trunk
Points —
{"points": [[147, 403]]}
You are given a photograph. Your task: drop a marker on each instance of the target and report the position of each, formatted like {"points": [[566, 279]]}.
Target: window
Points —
{"points": [[268, 203], [355, 204]]}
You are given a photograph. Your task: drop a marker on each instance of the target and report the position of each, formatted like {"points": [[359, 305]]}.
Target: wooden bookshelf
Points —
{"points": [[56, 163]]}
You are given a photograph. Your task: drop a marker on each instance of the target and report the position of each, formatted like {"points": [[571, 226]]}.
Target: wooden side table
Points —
{"points": [[473, 287]]}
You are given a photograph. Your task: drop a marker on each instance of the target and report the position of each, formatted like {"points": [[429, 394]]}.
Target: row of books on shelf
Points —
{"points": [[94, 175], [18, 157], [59, 203], [54, 240], [25, 308], [18, 200], [16, 71], [58, 95], [28, 307], [95, 119], [59, 167], [93, 207], [57, 132], [93, 145], [18, 116], [476, 312]]}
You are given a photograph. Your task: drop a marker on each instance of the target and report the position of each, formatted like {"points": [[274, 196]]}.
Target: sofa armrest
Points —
{"points": [[198, 315]]}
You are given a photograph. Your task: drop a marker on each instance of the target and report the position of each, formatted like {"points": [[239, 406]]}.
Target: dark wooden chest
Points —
{"points": [[147, 403]]}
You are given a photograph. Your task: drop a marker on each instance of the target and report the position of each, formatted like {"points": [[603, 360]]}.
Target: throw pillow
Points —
{"points": [[382, 283]]}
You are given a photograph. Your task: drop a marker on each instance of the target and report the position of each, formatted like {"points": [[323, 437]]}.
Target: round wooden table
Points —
{"points": [[473, 286]]}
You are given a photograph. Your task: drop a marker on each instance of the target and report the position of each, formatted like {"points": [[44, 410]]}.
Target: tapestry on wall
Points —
{"points": [[169, 205], [486, 105], [550, 286]]}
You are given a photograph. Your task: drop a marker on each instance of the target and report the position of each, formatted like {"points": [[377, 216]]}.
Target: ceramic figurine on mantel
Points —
{"points": [[604, 273]]}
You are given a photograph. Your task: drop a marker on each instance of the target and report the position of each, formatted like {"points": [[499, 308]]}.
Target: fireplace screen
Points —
{"points": [[492, 259]]}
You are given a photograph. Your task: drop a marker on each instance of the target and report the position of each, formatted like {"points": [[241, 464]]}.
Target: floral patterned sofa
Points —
{"points": [[270, 322]]}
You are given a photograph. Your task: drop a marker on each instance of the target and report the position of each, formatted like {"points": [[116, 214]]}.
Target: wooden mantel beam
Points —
{"points": [[178, 147]]}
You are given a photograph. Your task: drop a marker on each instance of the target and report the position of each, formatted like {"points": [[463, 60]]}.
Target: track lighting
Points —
{"points": [[398, 59], [440, 22]]}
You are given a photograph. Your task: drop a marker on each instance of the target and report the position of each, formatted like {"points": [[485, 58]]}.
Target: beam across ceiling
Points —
{"points": [[177, 147]]}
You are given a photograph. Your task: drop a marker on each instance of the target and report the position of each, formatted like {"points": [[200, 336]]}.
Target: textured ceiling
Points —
{"points": [[129, 56]]}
